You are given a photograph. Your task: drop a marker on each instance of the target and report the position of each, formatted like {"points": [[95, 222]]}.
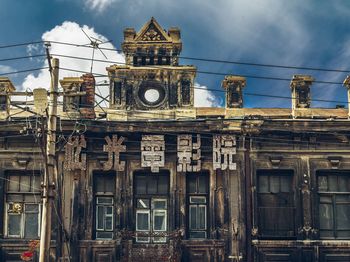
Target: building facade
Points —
{"points": [[153, 178]]}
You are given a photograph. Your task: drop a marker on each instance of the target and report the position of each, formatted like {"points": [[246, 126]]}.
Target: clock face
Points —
{"points": [[151, 93]]}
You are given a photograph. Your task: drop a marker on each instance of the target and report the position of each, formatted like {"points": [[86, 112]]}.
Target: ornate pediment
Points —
{"points": [[152, 31]]}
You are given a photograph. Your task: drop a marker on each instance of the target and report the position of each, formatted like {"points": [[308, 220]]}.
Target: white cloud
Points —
{"points": [[72, 33], [99, 5], [204, 97], [6, 69]]}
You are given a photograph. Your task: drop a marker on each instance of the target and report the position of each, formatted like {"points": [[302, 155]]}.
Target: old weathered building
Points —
{"points": [[153, 178]]}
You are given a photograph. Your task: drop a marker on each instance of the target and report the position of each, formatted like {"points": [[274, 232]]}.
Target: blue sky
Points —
{"points": [[299, 33]]}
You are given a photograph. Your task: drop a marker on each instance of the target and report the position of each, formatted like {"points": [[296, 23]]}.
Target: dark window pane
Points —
{"points": [[16, 198], [201, 217], [326, 216], [327, 233], [198, 234], [159, 204], [100, 215], [343, 216], [13, 184], [343, 234], [32, 208], [109, 223], [198, 200], [141, 185], [202, 184], [105, 235], [163, 182], [193, 217], [322, 183], [274, 184], [343, 199], [25, 183], [104, 200], [343, 184], [31, 225], [36, 181], [109, 183], [191, 184], [31, 198], [159, 220], [99, 184], [142, 203], [263, 183], [142, 221], [286, 184], [14, 224], [332, 180], [109, 210], [152, 185]]}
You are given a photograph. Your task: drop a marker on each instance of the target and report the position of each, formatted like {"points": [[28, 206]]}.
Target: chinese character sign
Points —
{"points": [[74, 160], [152, 152], [188, 153], [224, 148], [114, 147]]}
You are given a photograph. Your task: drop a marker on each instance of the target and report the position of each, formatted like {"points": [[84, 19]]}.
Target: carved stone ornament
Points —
{"points": [[153, 152], [74, 160], [188, 154], [114, 147], [224, 148], [152, 34]]}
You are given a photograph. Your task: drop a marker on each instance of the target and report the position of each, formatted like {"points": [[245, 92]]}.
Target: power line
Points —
{"points": [[23, 71], [201, 72], [21, 57], [217, 90], [223, 61], [197, 58], [21, 44]]}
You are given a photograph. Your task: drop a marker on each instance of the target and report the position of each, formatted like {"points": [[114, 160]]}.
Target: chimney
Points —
{"points": [[129, 34], [71, 98], [6, 87], [79, 96], [234, 90], [87, 108], [174, 33], [300, 86], [346, 83]]}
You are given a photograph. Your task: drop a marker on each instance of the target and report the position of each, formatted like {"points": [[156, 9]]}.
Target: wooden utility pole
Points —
{"points": [[50, 166]]}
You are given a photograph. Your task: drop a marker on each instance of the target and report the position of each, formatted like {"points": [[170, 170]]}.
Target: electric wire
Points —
{"points": [[197, 71], [190, 58], [221, 91]]}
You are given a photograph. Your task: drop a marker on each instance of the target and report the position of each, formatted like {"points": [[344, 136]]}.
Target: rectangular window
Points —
{"points": [[197, 205], [334, 204], [22, 205], [276, 204], [151, 207], [104, 191]]}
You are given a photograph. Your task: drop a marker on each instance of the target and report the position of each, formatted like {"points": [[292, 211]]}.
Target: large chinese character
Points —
{"points": [[152, 152], [188, 154], [224, 147], [114, 147], [74, 160]]}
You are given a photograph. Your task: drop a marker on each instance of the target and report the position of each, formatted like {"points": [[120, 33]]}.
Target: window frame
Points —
{"points": [[292, 196], [33, 176], [159, 195], [189, 205], [332, 195], [97, 195]]}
